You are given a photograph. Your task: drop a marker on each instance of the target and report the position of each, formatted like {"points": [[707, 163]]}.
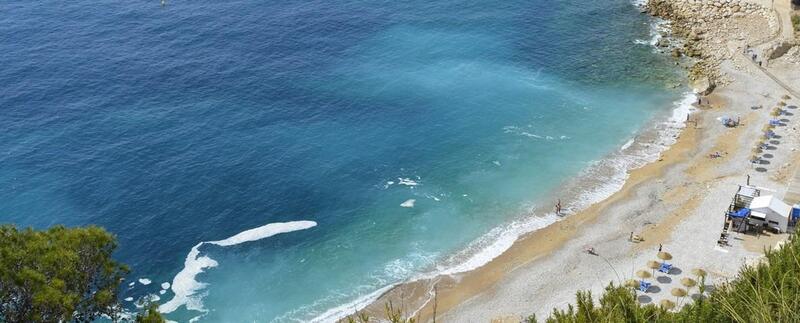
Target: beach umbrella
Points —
{"points": [[699, 272], [756, 150], [678, 292], [688, 282], [753, 158], [632, 283], [663, 255], [652, 264], [643, 274], [782, 103], [667, 304], [786, 97], [775, 112]]}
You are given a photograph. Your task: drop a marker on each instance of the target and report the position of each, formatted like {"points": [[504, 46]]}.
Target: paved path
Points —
{"points": [[783, 10], [793, 192]]}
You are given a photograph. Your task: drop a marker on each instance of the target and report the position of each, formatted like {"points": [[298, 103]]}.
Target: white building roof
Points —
{"points": [[772, 203], [749, 191]]}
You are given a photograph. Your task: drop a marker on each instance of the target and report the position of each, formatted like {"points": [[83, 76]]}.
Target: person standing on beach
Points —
{"points": [[558, 207], [659, 247]]}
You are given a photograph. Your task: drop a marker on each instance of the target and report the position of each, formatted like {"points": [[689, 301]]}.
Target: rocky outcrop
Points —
{"points": [[703, 85], [706, 25], [779, 49]]}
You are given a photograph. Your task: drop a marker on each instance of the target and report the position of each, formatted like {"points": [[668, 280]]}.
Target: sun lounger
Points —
{"points": [[665, 268], [644, 286]]}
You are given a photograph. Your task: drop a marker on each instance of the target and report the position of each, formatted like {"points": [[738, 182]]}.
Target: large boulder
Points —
{"points": [[703, 85]]}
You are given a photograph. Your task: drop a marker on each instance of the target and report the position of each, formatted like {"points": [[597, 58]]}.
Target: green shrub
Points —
{"points": [[766, 292]]}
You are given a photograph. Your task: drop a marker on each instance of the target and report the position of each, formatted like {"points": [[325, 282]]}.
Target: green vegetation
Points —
{"points": [[68, 275], [60, 275], [766, 292], [150, 315], [796, 22]]}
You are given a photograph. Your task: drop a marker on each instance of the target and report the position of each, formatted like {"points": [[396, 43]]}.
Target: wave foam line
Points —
{"points": [[498, 240], [340, 312], [188, 291]]}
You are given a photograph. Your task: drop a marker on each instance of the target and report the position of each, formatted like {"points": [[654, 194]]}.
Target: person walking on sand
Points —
{"points": [[659, 247]]}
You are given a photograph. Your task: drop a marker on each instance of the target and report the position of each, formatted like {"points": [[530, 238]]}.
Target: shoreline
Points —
{"points": [[658, 135], [454, 292], [649, 144], [530, 247]]}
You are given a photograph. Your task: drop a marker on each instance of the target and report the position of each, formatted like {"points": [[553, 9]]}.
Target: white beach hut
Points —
{"points": [[770, 210]]}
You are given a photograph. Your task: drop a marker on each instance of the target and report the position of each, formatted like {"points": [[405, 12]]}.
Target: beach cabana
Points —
{"points": [[744, 196], [771, 211]]}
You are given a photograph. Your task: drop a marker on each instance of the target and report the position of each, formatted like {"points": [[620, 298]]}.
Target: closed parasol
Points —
{"points": [[699, 272], [667, 304], [652, 264], [688, 282], [678, 292]]}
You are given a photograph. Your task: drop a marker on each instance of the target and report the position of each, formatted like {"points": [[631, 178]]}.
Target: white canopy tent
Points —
{"points": [[770, 209]]}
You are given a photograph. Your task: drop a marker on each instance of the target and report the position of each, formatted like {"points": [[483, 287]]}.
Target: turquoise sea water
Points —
{"points": [[419, 137]]}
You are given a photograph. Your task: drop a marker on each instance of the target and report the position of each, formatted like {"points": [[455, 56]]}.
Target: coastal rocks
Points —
{"points": [[707, 27], [778, 50], [703, 85], [793, 55]]}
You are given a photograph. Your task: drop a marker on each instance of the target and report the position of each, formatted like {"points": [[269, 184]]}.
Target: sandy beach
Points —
{"points": [[677, 202]]}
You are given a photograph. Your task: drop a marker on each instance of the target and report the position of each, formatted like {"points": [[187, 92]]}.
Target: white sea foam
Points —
{"points": [[497, 241], [131, 284], [147, 299], [341, 311], [189, 292], [528, 134], [162, 292], [657, 28], [165, 285], [627, 144], [407, 182], [493, 244], [129, 299], [683, 110], [408, 203], [144, 281]]}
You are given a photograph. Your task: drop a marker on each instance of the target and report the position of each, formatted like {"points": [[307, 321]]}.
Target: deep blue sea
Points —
{"points": [[418, 136]]}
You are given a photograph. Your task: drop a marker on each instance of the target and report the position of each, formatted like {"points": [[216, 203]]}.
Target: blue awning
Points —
{"points": [[741, 213]]}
